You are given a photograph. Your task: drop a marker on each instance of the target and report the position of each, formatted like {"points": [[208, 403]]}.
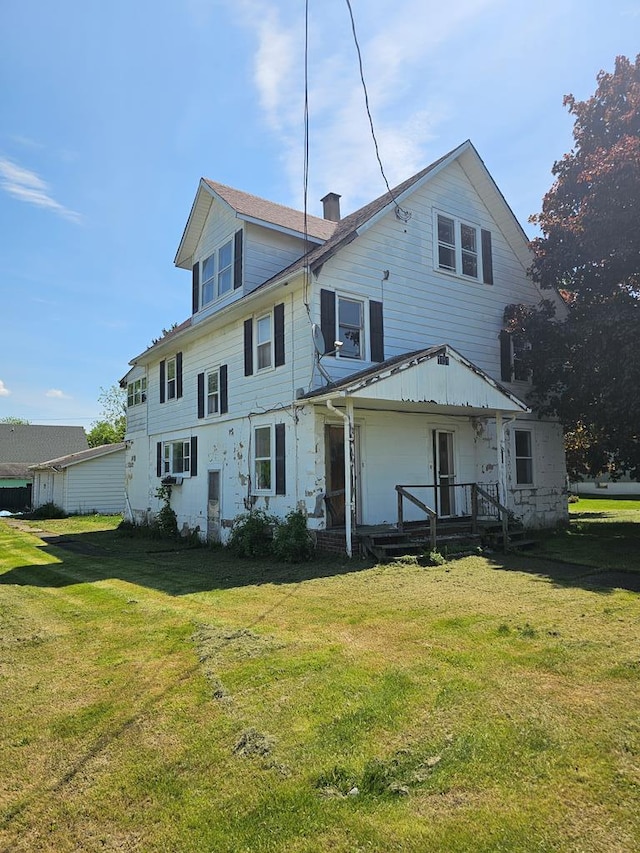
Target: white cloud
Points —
{"points": [[398, 42], [29, 187], [57, 394], [4, 391]]}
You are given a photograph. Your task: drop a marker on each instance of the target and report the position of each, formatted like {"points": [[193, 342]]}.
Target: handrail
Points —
{"points": [[503, 511], [433, 516]]}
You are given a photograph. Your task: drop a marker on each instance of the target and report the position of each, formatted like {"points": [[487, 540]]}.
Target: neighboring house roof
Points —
{"points": [[82, 456], [415, 377], [250, 208], [22, 445]]}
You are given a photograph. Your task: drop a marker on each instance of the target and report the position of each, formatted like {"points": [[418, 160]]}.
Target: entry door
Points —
{"points": [[334, 468], [445, 473], [213, 506]]}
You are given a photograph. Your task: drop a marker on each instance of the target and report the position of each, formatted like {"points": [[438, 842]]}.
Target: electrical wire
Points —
{"points": [[401, 213]]}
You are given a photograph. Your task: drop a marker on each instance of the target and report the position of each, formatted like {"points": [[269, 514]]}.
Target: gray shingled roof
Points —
{"points": [[81, 456], [22, 445], [268, 211]]}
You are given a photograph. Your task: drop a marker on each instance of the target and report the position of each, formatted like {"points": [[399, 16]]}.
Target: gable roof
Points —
{"points": [[435, 377], [82, 456], [250, 208], [350, 226], [22, 445]]}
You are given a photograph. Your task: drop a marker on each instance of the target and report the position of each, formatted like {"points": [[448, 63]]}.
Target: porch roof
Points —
{"points": [[437, 379]]}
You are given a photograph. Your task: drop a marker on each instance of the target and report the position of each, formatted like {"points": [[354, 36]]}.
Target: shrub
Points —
{"points": [[166, 521], [291, 540], [49, 510], [252, 534]]}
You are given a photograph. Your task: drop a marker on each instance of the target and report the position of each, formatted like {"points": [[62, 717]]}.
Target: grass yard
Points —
{"points": [[154, 699]]}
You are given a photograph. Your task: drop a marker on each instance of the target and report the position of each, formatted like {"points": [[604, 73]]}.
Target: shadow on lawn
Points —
{"points": [[569, 574], [158, 564]]}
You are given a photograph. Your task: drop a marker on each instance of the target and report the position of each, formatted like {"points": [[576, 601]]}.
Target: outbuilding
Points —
{"points": [[85, 482]]}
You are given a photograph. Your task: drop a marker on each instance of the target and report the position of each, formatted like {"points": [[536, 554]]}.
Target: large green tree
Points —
{"points": [[586, 363], [112, 425]]}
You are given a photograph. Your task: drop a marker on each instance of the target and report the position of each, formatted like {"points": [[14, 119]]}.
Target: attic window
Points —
{"points": [[462, 249]]}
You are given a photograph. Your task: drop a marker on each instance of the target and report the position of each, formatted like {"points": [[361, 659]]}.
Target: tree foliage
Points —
{"points": [[586, 365], [12, 420], [112, 426]]}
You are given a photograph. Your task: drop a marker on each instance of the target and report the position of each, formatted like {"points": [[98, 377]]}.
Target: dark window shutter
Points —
{"points": [[163, 388], [278, 334], [248, 347], [328, 319], [195, 288], [281, 476], [194, 455], [487, 258], [178, 374], [224, 391], [159, 459], [505, 356], [376, 330], [201, 395], [237, 260]]}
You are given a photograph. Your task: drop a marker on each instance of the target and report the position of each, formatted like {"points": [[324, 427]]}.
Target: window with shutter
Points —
{"points": [[462, 248]]}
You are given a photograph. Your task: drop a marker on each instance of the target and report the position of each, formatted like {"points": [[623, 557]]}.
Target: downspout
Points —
{"points": [[348, 514]]}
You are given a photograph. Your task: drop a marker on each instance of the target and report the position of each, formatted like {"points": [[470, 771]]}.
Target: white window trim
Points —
{"points": [[215, 278], [168, 396], [457, 223], [528, 485], [272, 461], [268, 315], [364, 335], [208, 373], [140, 391], [167, 463]]}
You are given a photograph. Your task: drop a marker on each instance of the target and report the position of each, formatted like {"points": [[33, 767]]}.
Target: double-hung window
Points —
{"points": [[213, 392], [172, 378], [176, 457], [524, 457], [137, 392], [463, 249], [264, 342], [269, 460], [225, 268], [350, 328], [263, 453], [209, 279]]}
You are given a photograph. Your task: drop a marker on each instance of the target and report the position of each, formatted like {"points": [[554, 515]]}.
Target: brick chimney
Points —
{"points": [[331, 206]]}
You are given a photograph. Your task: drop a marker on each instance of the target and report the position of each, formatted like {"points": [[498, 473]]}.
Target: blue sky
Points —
{"points": [[110, 112]]}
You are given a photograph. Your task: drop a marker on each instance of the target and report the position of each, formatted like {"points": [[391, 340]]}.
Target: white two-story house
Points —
{"points": [[346, 366]]}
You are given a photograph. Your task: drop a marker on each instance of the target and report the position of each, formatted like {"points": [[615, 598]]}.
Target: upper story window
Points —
{"points": [[264, 342], [355, 324], [524, 457], [171, 378], [513, 348], [219, 273], [137, 392], [213, 392], [350, 322], [463, 249]]}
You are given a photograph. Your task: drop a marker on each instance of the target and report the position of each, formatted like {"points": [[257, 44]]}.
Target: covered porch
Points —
{"points": [[416, 442]]}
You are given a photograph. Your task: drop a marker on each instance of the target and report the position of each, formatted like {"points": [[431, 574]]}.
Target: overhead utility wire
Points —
{"points": [[305, 176], [401, 213]]}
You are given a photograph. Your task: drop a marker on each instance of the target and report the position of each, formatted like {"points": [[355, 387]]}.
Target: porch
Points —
{"points": [[460, 516]]}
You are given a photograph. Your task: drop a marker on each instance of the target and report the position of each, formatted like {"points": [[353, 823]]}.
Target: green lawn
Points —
{"points": [[155, 699]]}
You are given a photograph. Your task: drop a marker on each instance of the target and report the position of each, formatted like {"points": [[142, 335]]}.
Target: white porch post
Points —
{"points": [[349, 476], [502, 486]]}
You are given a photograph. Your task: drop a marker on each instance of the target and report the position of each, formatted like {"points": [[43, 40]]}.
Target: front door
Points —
{"points": [[334, 468], [213, 506], [445, 473]]}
